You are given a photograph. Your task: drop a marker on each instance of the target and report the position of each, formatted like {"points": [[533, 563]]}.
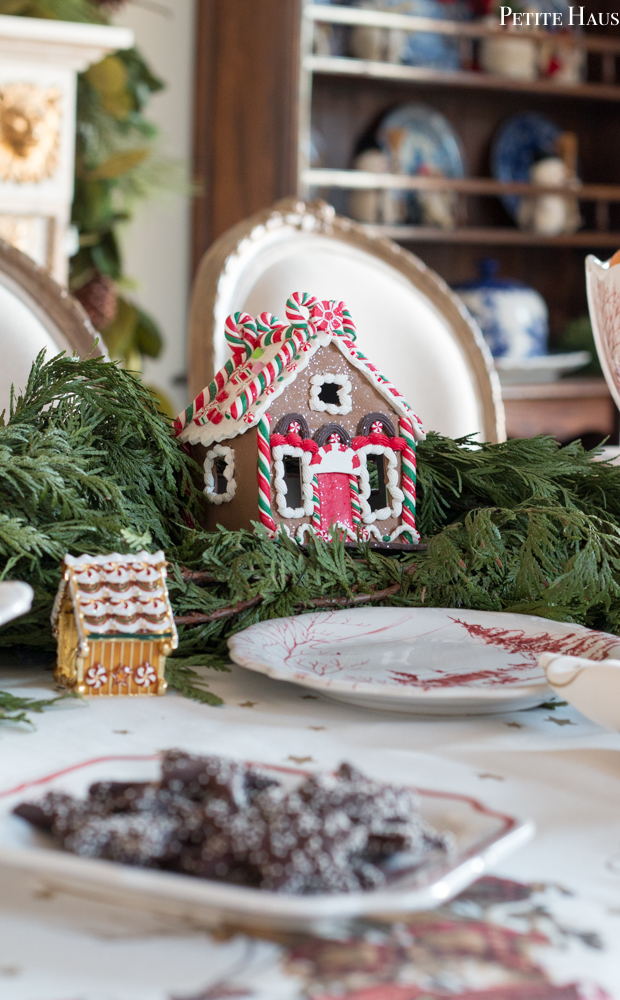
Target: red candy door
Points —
{"points": [[335, 499]]}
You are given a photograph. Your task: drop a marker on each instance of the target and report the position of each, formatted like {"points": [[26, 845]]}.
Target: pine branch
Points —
{"points": [[17, 710], [182, 678]]}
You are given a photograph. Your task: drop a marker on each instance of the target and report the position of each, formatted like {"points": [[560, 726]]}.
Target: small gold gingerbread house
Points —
{"points": [[114, 624]]}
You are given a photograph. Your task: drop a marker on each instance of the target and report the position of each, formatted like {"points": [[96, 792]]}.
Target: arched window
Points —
{"points": [[375, 423]]}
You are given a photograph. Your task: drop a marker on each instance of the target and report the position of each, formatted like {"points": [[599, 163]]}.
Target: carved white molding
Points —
{"points": [[45, 56], [63, 43]]}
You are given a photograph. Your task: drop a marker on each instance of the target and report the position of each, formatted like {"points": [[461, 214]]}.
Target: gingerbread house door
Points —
{"points": [[335, 499]]}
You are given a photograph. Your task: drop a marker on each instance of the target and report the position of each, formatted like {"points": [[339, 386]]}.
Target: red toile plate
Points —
{"points": [[436, 661]]}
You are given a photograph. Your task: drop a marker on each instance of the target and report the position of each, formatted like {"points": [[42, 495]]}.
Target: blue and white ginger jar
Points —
{"points": [[514, 318]]}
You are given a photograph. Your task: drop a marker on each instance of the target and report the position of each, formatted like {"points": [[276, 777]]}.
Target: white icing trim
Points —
{"points": [[402, 528], [128, 561], [208, 433], [220, 451], [394, 490], [311, 529], [345, 404], [370, 531], [336, 458], [277, 453]]}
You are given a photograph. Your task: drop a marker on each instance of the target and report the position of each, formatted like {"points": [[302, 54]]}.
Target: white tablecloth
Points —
{"points": [[550, 765]]}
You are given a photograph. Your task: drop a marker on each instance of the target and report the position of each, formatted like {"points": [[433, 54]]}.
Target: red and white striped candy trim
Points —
{"points": [[241, 335], [298, 309], [264, 473], [408, 480]]}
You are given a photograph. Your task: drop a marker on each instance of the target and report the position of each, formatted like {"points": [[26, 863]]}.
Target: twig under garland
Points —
{"points": [[197, 576], [198, 618]]}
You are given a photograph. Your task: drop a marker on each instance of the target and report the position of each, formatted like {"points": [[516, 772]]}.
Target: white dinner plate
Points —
{"points": [[434, 661], [15, 600], [544, 368], [481, 838]]}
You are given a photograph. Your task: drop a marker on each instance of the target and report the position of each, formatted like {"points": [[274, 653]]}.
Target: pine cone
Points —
{"points": [[99, 298]]}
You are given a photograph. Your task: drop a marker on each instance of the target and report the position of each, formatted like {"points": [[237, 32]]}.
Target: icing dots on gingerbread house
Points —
{"points": [[301, 432], [114, 624]]}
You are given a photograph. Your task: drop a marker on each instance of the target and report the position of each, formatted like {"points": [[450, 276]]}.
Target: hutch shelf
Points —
{"points": [[253, 144]]}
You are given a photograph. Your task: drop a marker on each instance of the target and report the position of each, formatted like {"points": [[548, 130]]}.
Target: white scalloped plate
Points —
{"points": [[482, 838], [15, 600], [435, 661]]}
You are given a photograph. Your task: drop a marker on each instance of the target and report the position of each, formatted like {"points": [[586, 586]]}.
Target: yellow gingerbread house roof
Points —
{"points": [[117, 597]]}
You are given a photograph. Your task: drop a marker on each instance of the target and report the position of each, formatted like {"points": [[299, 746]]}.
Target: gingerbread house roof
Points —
{"points": [[267, 357], [117, 597]]}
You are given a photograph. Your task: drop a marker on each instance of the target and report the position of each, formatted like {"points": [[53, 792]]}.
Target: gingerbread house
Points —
{"points": [[114, 624], [299, 431]]}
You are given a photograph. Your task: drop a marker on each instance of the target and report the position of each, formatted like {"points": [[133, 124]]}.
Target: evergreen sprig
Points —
{"points": [[88, 464], [17, 710]]}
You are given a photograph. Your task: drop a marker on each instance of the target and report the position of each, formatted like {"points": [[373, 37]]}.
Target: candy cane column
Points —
{"points": [[264, 473], [408, 481]]}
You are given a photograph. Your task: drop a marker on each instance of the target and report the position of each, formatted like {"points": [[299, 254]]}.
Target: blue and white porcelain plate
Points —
{"points": [[521, 141], [428, 142], [419, 140]]}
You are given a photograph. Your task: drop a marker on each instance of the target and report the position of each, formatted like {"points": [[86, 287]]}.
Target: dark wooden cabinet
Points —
{"points": [[246, 106], [261, 87]]}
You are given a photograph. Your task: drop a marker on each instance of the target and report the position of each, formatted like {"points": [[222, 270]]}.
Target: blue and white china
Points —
{"points": [[419, 140], [424, 49], [520, 142], [429, 143], [434, 51], [513, 317]]}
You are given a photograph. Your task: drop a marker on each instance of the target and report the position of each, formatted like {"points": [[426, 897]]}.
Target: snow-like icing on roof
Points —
{"points": [[117, 597], [267, 357]]}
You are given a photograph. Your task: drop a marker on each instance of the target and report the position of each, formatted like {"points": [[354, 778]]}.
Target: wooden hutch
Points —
{"points": [[261, 86]]}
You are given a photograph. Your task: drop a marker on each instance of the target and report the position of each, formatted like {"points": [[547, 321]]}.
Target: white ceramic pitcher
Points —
{"points": [[591, 686]]}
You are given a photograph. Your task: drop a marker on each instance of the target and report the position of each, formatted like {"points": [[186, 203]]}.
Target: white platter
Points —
{"points": [[15, 600], [546, 368], [432, 661], [482, 837]]}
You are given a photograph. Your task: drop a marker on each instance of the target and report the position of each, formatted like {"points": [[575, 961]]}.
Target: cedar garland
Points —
{"points": [[88, 464]]}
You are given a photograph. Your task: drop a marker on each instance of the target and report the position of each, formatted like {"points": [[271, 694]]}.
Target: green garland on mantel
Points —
{"points": [[87, 463]]}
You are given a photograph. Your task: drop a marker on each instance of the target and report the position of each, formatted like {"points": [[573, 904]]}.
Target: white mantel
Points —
{"points": [[39, 61]]}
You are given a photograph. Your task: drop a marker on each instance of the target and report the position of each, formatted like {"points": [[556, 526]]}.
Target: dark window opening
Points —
{"points": [[329, 393], [292, 479], [376, 473], [220, 481]]}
